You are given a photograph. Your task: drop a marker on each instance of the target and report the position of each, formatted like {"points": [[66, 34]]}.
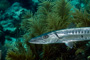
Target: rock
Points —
{"points": [[2, 37], [11, 17], [14, 11]]}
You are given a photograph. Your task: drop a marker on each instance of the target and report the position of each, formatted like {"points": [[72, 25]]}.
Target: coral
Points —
{"points": [[81, 18], [59, 17], [27, 14], [26, 18], [87, 7]]}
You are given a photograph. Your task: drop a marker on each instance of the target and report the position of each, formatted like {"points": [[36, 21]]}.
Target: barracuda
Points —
{"points": [[67, 36]]}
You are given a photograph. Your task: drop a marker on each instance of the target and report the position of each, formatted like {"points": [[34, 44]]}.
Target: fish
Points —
{"points": [[67, 36]]}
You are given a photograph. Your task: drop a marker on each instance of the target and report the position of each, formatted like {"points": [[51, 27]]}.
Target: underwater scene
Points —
{"points": [[44, 29]]}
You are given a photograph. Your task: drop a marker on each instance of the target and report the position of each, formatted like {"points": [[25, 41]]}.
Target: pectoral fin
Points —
{"points": [[69, 44]]}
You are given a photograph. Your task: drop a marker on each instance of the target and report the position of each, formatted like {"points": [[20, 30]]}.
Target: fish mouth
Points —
{"points": [[33, 41]]}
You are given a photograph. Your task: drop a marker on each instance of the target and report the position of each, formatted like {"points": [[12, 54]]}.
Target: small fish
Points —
{"points": [[67, 36]]}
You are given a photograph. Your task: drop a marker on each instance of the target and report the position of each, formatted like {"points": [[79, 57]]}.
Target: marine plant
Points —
{"points": [[59, 17], [81, 18], [19, 53], [50, 16]]}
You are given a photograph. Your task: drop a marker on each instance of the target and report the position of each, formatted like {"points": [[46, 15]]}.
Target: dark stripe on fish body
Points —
{"points": [[72, 32], [79, 32], [81, 36], [88, 31], [57, 35], [85, 37]]}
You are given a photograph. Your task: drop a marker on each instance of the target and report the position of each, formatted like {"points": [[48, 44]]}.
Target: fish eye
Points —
{"points": [[45, 36]]}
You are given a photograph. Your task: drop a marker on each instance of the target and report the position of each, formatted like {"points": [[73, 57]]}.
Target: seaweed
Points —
{"points": [[59, 17], [81, 18], [20, 53], [87, 6]]}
